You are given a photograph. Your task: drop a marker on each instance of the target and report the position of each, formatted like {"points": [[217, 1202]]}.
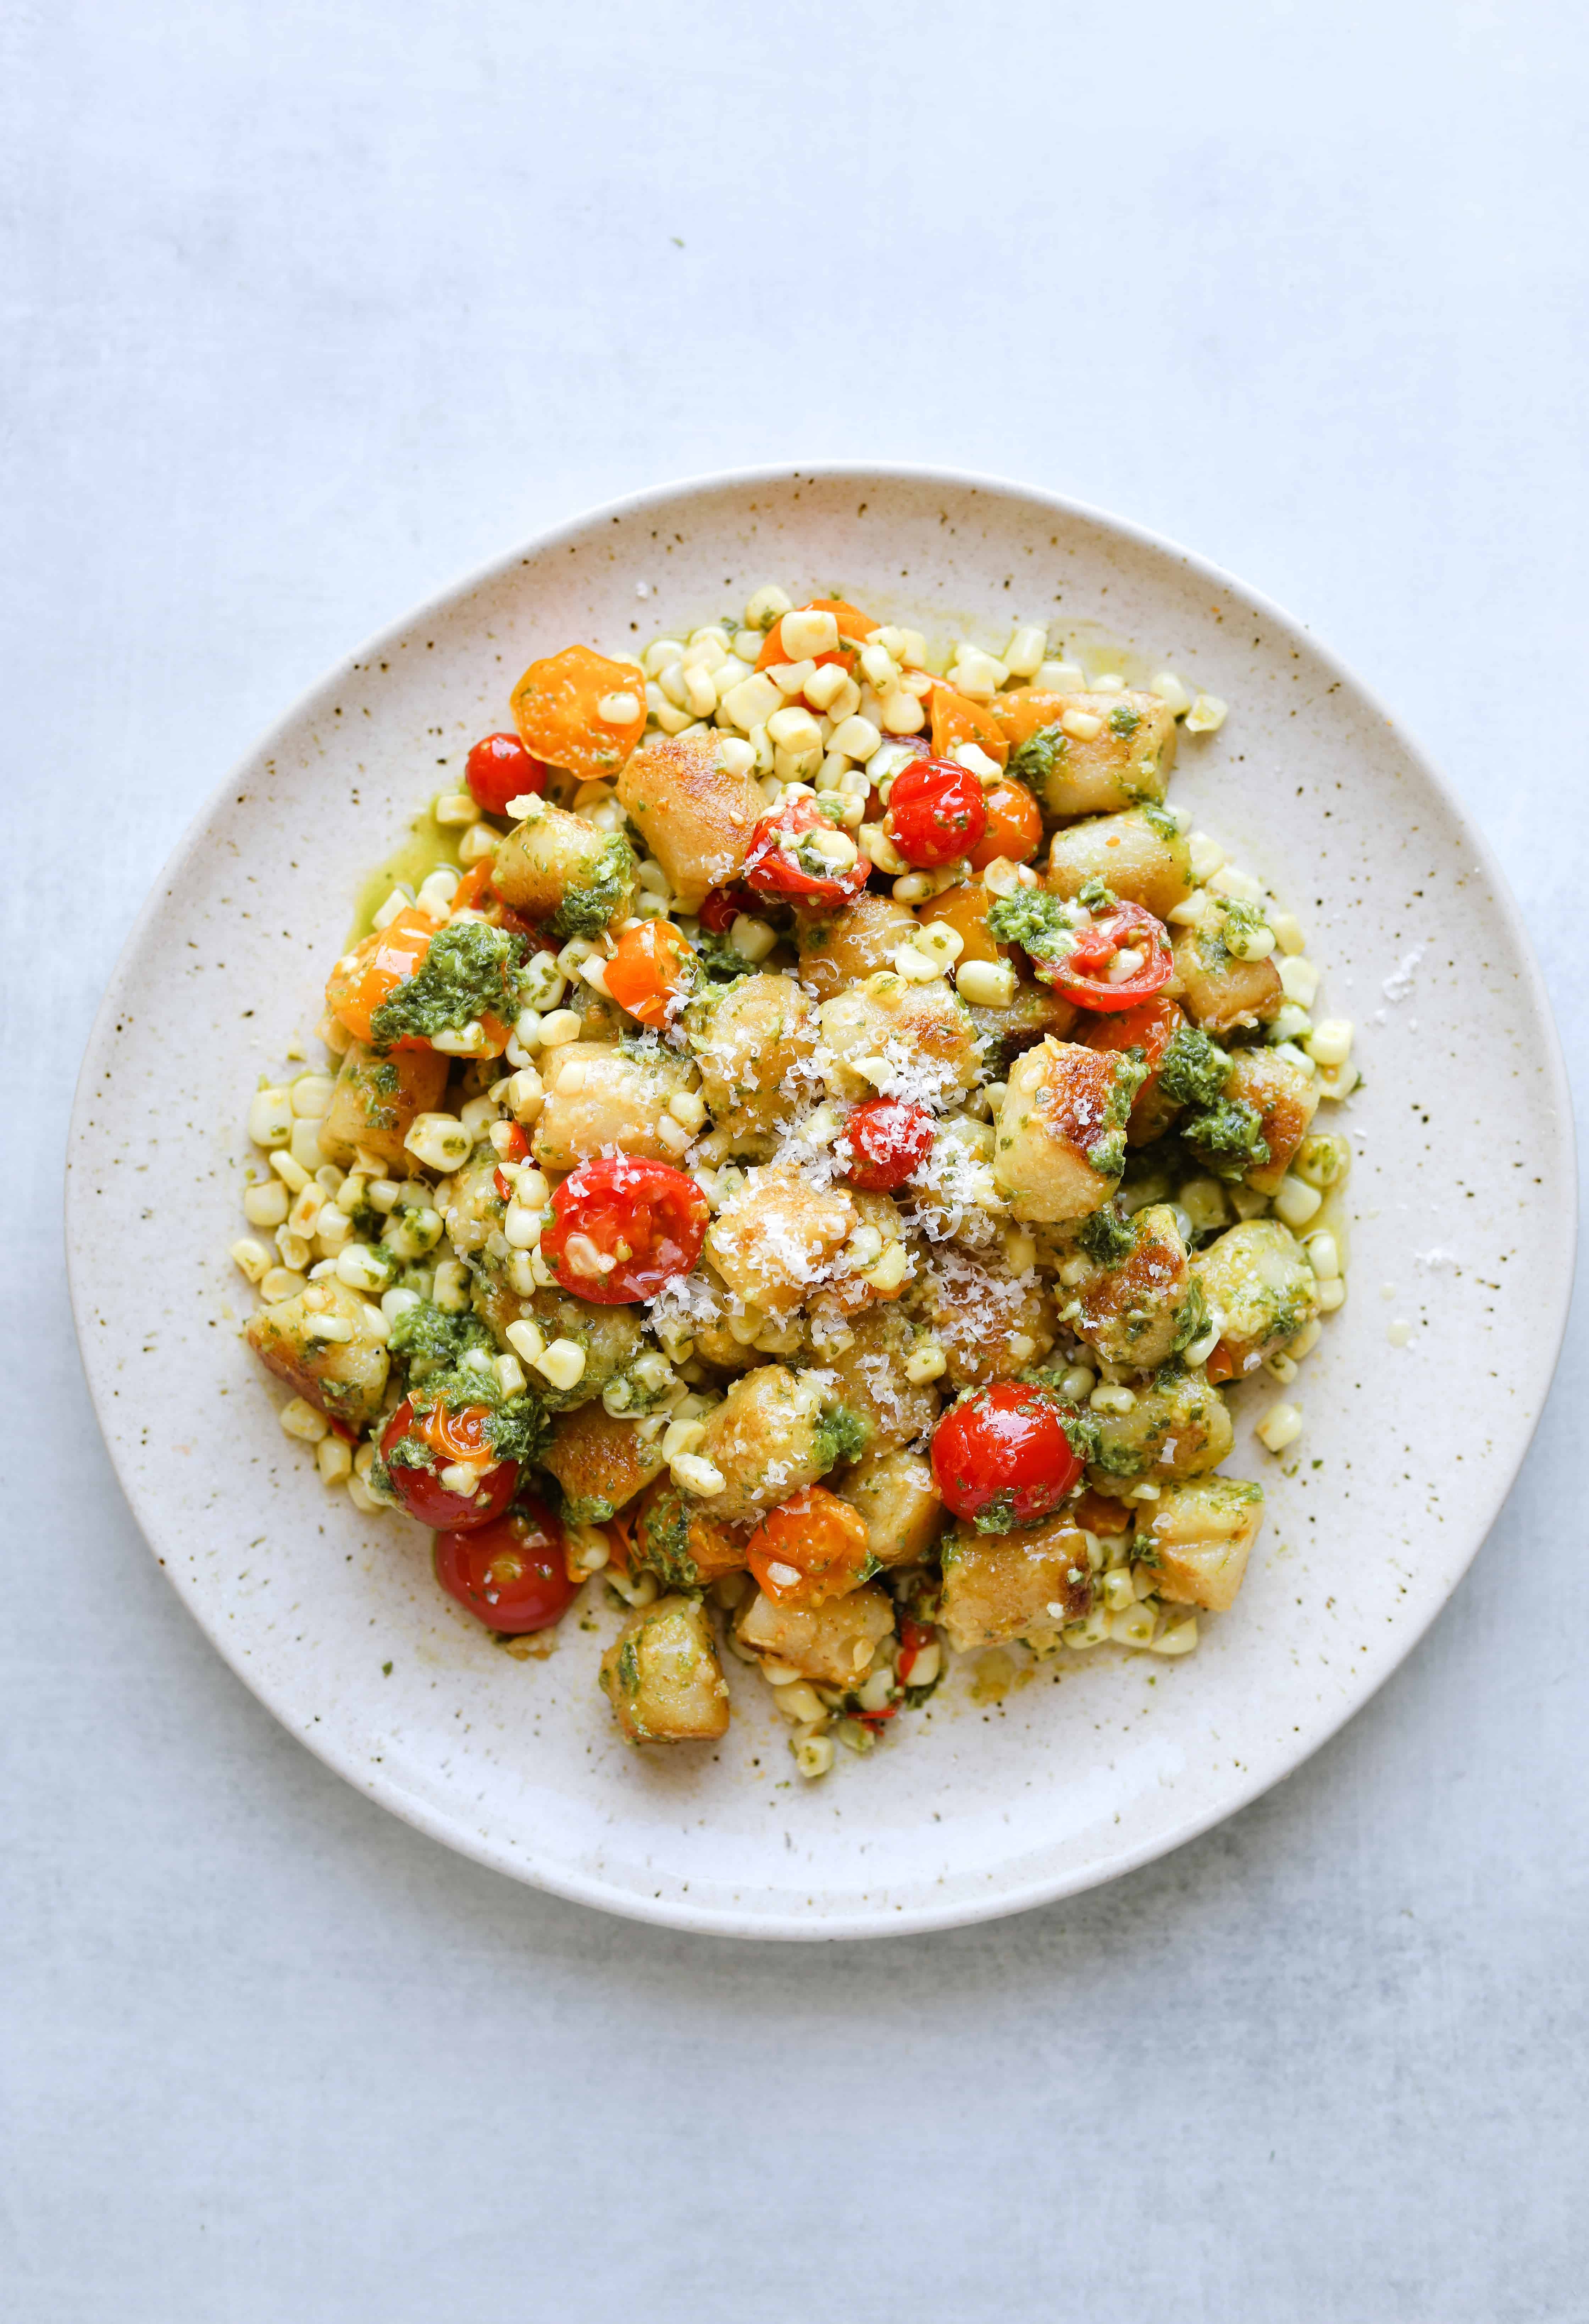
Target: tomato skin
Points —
{"points": [[500, 768], [956, 720], [936, 813], [772, 873], [1005, 1444], [810, 1548], [658, 1213], [557, 709], [374, 968], [421, 1491], [1014, 825], [476, 1568], [915, 1638], [1126, 925], [649, 968], [889, 1141], [723, 907]]}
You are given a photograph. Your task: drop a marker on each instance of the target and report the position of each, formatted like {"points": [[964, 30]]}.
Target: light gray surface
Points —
{"points": [[308, 316]]}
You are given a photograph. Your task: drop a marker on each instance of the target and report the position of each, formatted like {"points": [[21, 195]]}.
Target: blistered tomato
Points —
{"points": [[812, 1547], [501, 768], [649, 970], [447, 1437], [799, 855], [889, 1141], [1001, 1456], [512, 1573], [935, 812], [622, 1228], [1122, 959], [1014, 827]]}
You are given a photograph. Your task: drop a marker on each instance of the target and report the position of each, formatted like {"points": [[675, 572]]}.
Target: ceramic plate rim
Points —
{"points": [[680, 1912]]}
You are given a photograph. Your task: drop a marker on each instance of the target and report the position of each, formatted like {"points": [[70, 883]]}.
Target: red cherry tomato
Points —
{"points": [[1014, 825], [646, 1220], [783, 862], [1004, 1451], [501, 768], [451, 1436], [518, 1152], [723, 907], [889, 1141], [510, 1572], [936, 812], [1082, 973]]}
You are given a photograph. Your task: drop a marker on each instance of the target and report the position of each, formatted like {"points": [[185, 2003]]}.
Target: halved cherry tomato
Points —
{"points": [[852, 623], [645, 1219], [649, 968], [1014, 825], [889, 1141], [1151, 1027], [935, 812], [518, 1152], [452, 1436], [367, 975], [915, 1638], [557, 707], [500, 768], [512, 1573], [1004, 1451], [956, 720], [812, 1547], [783, 862], [1081, 975], [723, 907]]}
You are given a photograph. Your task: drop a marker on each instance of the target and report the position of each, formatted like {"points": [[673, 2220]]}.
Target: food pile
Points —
{"points": [[810, 1158]]}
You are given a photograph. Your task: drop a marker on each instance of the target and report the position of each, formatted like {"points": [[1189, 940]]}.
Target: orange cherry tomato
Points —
{"points": [[812, 1547], [1014, 825], [649, 968], [558, 710], [852, 623], [363, 978], [1097, 1514], [956, 721], [456, 1436], [1026, 711]]}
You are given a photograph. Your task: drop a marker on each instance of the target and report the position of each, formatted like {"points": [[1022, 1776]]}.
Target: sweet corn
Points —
{"points": [[694, 1473], [752, 940], [814, 1755], [1207, 715], [1296, 1202], [986, 983], [563, 1364], [300, 1419], [1170, 692], [926, 1361], [278, 1283], [479, 842], [809, 634], [252, 1257], [1024, 654], [266, 1204], [1299, 978], [334, 1458], [1281, 1425], [1330, 1042], [765, 607]]}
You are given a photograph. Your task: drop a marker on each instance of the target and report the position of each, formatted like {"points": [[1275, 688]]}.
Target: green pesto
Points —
{"points": [[718, 963], [516, 1426], [430, 1339], [629, 1666], [1107, 1235], [1192, 1320], [1107, 1153], [470, 968], [662, 1541], [840, 1435], [1228, 1138], [1159, 821], [1032, 917], [1097, 895], [1123, 719], [1194, 1069], [589, 903], [1035, 761]]}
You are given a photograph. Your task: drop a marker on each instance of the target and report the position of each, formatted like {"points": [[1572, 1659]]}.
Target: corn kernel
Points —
{"points": [[1207, 715], [278, 1283], [334, 1458], [563, 1364], [695, 1474], [252, 1257], [765, 607], [986, 983], [1170, 692], [1297, 1201], [808, 633], [901, 711], [1281, 1425], [300, 1419], [1024, 654], [1082, 725], [269, 1117]]}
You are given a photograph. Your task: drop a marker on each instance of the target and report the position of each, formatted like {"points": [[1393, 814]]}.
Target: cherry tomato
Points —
{"points": [[915, 1638], [783, 862], [501, 768], [645, 1219], [1081, 975], [452, 1436], [364, 977], [935, 812], [812, 1547], [578, 710], [518, 1152], [723, 907], [510, 1572], [1150, 1027], [1004, 1451], [649, 968], [1014, 825], [955, 719], [890, 1140]]}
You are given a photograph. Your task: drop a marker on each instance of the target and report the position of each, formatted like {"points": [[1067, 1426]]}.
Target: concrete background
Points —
{"points": [[310, 309]]}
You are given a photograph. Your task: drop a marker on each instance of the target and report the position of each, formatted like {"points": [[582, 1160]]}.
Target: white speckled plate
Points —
{"points": [[1461, 1198]]}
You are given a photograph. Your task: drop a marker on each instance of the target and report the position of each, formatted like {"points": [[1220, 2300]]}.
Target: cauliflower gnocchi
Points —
{"points": [[806, 1167]]}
